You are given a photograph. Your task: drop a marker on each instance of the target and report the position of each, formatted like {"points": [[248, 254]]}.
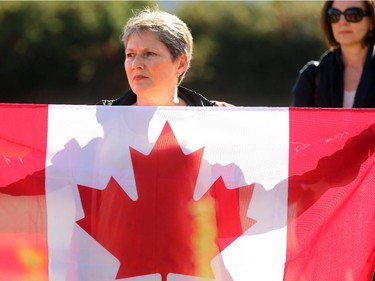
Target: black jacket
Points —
{"points": [[189, 96], [321, 84]]}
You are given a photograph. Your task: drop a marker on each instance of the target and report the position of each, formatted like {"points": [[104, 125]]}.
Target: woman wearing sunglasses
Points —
{"points": [[345, 75]]}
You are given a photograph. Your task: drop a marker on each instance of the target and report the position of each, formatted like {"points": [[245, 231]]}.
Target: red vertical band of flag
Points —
{"points": [[331, 196], [23, 218]]}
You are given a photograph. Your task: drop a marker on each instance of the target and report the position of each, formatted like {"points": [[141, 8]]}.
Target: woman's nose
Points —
{"points": [[342, 19], [138, 62]]}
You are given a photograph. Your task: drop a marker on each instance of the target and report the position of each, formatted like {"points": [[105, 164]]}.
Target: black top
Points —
{"points": [[321, 84], [191, 97]]}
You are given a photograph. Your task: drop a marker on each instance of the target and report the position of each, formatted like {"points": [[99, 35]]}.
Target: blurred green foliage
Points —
{"points": [[61, 52], [250, 53], [246, 53]]}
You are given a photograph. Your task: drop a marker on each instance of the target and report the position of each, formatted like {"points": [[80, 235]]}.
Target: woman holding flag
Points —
{"points": [[158, 50]]}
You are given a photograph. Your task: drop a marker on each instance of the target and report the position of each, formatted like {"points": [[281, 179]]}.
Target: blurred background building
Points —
{"points": [[247, 53]]}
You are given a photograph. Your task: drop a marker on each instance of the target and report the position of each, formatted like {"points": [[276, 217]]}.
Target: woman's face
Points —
{"points": [[350, 33], [149, 66]]}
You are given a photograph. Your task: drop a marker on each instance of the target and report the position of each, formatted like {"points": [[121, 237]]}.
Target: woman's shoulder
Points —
{"points": [[309, 66], [312, 65], [327, 55], [128, 99], [193, 98]]}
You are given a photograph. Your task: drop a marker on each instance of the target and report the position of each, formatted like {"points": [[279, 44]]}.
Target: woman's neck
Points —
{"points": [[160, 100], [354, 57], [354, 61]]}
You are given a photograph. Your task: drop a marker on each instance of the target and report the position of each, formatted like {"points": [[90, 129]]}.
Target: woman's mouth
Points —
{"points": [[139, 77]]}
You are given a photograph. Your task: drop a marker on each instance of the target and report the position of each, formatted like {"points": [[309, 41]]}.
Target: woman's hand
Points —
{"points": [[222, 104]]}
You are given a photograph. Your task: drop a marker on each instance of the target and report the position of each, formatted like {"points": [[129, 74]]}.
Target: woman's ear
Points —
{"points": [[182, 64]]}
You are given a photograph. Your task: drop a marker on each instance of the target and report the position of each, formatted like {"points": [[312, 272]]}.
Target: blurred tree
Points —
{"points": [[51, 49], [249, 53], [246, 53]]}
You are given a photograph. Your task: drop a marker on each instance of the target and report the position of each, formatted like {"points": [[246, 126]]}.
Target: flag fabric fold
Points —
{"points": [[164, 193]]}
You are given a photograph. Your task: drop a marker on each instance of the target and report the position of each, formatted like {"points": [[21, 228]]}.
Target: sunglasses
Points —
{"points": [[353, 14]]}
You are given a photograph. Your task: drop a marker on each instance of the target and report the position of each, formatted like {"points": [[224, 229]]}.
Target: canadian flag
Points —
{"points": [[201, 194]]}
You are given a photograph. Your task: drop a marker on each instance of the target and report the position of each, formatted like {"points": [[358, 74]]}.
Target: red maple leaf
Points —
{"points": [[165, 230]]}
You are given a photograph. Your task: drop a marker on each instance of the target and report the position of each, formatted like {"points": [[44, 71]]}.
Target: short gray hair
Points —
{"points": [[171, 30]]}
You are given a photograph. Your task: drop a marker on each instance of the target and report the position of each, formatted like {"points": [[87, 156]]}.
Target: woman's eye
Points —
{"points": [[149, 54], [129, 55]]}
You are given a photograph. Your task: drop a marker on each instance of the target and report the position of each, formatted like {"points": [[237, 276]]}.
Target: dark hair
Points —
{"points": [[326, 26]]}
